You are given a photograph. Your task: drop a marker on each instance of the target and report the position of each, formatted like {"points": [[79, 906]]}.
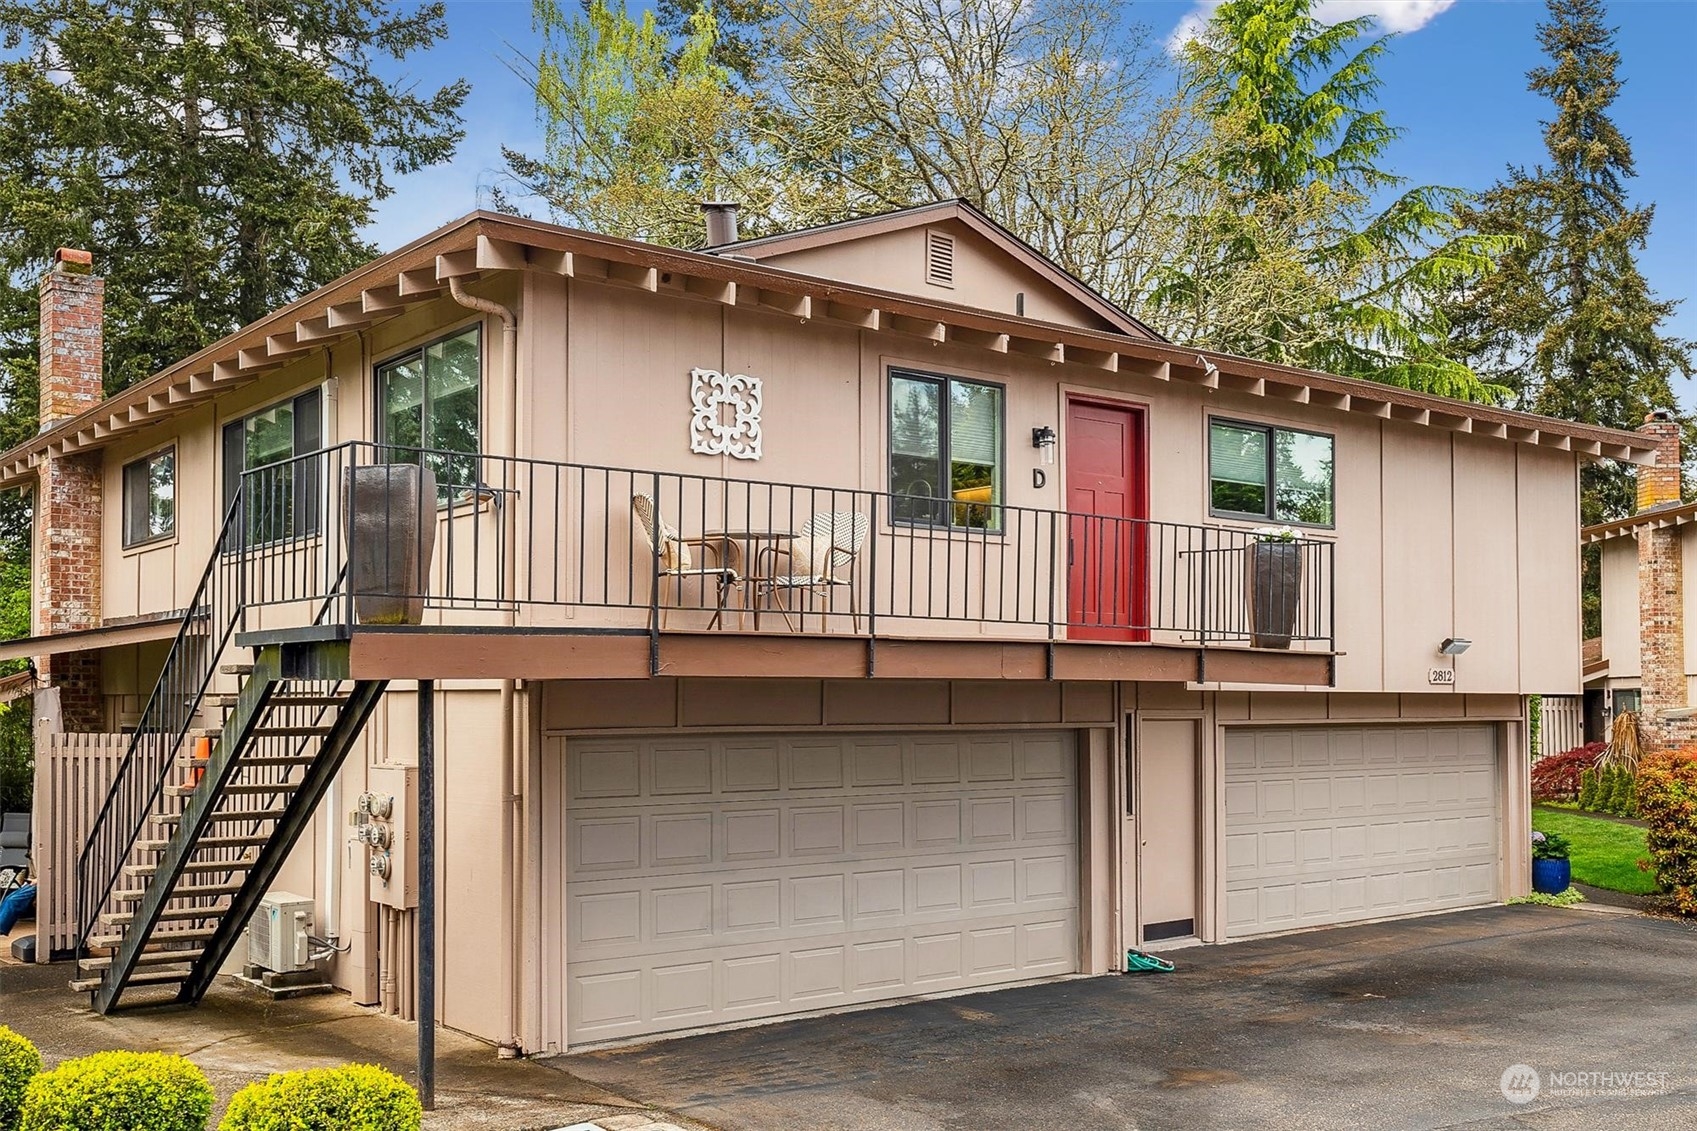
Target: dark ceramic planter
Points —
{"points": [[1552, 877], [1274, 581], [390, 527]]}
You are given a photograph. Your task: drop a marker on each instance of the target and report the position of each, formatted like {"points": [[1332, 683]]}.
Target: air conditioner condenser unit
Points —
{"points": [[279, 935]]}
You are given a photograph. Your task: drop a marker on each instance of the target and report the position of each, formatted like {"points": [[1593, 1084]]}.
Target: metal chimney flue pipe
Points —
{"points": [[721, 221]]}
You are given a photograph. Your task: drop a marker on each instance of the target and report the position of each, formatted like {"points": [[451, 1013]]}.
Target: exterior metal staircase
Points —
{"points": [[198, 821]]}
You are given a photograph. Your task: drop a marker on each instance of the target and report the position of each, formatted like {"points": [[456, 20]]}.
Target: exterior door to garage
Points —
{"points": [[718, 879], [1329, 825]]}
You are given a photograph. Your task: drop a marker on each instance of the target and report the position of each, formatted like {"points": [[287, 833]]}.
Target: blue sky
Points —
{"points": [[1455, 82]]}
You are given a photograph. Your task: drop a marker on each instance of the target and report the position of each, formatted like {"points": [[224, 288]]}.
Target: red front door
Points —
{"points": [[1107, 541]]}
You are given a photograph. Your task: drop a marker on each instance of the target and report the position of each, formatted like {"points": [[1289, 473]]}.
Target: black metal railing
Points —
{"points": [[607, 549], [603, 548], [160, 736]]}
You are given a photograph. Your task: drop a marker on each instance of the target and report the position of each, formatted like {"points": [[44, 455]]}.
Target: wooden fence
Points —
{"points": [[1563, 724], [72, 774]]}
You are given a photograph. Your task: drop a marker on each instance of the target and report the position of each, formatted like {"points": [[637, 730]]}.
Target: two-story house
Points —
{"points": [[868, 612]]}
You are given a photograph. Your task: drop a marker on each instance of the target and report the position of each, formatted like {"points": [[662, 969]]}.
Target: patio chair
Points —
{"points": [[676, 562], [811, 563]]}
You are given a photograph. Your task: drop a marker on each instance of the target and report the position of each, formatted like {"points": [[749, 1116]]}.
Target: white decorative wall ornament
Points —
{"points": [[716, 397]]}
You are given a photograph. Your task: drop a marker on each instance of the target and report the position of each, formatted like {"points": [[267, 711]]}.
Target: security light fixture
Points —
{"points": [[1454, 646], [1043, 439]]}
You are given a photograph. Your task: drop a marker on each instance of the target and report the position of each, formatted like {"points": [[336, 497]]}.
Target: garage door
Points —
{"points": [[1337, 824], [729, 879]]}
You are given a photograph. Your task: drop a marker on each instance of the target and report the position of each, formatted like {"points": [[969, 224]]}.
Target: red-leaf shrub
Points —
{"points": [[1556, 778], [1667, 800]]}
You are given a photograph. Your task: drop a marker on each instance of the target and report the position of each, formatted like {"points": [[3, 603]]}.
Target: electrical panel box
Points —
{"points": [[386, 822]]}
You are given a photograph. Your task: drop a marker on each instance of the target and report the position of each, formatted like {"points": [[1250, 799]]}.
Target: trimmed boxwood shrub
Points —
{"points": [[354, 1097], [1587, 789], [1667, 800], [19, 1063], [119, 1091]]}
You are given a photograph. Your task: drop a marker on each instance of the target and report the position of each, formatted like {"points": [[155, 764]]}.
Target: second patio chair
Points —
{"points": [[813, 563], [676, 561]]}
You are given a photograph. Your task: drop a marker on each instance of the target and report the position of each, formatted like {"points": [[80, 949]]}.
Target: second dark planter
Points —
{"points": [[1274, 582], [390, 525]]}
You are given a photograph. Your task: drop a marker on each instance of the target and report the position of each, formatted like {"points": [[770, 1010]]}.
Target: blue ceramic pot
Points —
{"points": [[1551, 877]]}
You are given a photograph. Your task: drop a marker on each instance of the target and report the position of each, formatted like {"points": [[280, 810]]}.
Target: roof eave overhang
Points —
{"points": [[484, 243]]}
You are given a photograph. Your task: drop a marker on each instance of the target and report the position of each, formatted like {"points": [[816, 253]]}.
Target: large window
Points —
{"points": [[150, 498], [1258, 471], [282, 499], [428, 401], [946, 450]]}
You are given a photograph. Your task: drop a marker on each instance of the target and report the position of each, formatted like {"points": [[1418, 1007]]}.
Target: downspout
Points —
{"points": [[509, 746]]}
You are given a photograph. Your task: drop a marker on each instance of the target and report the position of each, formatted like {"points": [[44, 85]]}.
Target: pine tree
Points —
{"points": [[1568, 320], [1293, 257], [1587, 789], [218, 157]]}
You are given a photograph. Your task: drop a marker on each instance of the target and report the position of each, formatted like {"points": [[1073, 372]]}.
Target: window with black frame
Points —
{"points": [[427, 402], [150, 498], [946, 450], [1260, 471], [260, 450]]}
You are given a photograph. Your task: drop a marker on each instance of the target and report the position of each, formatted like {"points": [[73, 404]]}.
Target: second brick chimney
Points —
{"points": [[1661, 592], [67, 573]]}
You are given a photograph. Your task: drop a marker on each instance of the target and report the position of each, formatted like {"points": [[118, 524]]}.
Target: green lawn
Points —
{"points": [[1605, 854]]}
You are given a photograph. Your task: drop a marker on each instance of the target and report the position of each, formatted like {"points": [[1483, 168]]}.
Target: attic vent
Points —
{"points": [[939, 259]]}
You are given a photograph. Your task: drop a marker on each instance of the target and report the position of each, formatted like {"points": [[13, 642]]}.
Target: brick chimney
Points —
{"points": [[1658, 483], [67, 574], [73, 307], [1661, 594]]}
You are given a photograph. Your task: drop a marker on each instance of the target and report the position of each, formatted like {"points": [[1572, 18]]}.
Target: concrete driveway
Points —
{"points": [[1406, 1025]]}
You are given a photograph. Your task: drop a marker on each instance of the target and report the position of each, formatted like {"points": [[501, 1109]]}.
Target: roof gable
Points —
{"points": [[992, 268]]}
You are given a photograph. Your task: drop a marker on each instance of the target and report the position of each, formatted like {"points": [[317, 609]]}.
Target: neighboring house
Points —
{"points": [[1036, 694], [1646, 656]]}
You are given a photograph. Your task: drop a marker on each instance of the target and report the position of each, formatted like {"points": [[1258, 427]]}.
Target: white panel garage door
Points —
{"points": [[725, 879], [1329, 825]]}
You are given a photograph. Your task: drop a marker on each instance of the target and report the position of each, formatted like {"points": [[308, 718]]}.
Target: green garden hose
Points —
{"points": [[1136, 962]]}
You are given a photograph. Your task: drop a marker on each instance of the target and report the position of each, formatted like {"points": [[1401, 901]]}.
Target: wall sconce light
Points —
{"points": [[1043, 439], [1454, 646]]}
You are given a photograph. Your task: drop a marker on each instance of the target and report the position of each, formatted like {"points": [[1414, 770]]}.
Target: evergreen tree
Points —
{"points": [[1568, 320], [218, 157], [1292, 256]]}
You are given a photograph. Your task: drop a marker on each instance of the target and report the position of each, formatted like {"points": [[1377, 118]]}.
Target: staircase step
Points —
{"points": [[139, 978], [169, 915], [192, 867], [146, 958], [189, 762], [206, 842], [202, 891], [236, 669], [193, 934], [283, 700], [251, 815], [236, 789], [292, 732]]}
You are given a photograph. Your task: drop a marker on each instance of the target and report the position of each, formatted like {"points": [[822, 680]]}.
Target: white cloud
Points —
{"points": [[1391, 15]]}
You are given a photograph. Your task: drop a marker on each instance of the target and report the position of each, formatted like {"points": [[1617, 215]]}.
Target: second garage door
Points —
{"points": [[1334, 824], [726, 879]]}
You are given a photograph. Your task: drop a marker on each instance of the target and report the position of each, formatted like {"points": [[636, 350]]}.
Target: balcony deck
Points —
{"points": [[543, 570]]}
